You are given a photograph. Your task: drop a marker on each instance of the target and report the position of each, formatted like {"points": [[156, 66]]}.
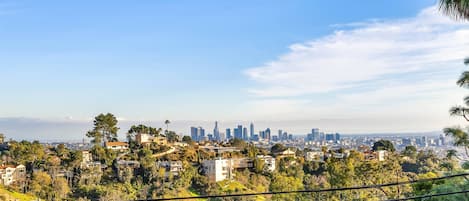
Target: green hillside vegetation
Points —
{"points": [[7, 195]]}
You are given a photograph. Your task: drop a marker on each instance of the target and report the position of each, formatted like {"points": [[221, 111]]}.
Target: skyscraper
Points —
{"points": [[329, 137], [245, 133], [201, 133], [315, 134], [228, 134], [238, 132], [267, 134], [216, 132], [337, 137], [280, 132], [251, 130], [194, 134]]}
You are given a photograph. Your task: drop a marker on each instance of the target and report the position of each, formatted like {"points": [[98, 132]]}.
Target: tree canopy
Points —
{"points": [[105, 129], [383, 145]]}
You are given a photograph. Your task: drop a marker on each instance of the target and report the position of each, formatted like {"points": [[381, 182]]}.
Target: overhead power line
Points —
{"points": [[312, 190], [431, 195]]}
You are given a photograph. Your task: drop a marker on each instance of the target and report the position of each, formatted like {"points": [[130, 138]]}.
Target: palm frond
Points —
{"points": [[463, 80], [456, 9], [466, 100], [458, 111]]}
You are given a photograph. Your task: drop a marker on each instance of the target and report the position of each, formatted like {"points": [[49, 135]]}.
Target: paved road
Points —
{"points": [[171, 150]]}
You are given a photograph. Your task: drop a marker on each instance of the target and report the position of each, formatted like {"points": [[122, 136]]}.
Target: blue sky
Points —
{"points": [[229, 61]]}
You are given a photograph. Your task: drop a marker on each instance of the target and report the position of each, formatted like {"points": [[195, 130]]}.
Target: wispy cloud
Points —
{"points": [[398, 74], [370, 52]]}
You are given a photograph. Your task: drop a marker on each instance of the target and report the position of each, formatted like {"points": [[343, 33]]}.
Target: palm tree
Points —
{"points": [[167, 122], [463, 81], [457, 9]]}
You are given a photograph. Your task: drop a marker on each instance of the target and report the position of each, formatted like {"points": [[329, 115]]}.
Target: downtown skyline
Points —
{"points": [[291, 67]]}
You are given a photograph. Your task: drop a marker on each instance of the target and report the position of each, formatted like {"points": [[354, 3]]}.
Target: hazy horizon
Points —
{"points": [[386, 67], [72, 130]]}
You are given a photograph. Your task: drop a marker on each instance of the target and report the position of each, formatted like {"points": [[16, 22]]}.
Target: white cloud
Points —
{"points": [[372, 51], [394, 75]]}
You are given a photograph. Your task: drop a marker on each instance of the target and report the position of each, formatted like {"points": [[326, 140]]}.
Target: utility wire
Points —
{"points": [[312, 190], [430, 195]]}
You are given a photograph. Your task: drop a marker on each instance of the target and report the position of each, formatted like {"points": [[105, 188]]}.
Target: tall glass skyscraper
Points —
{"points": [[251, 130], [216, 132]]}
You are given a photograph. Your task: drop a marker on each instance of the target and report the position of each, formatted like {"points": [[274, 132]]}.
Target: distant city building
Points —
{"points": [[329, 137], [337, 137], [195, 133], [245, 134], [251, 130], [315, 134], [216, 132], [280, 133], [443, 140], [267, 134], [201, 136], [228, 133], [238, 132]]}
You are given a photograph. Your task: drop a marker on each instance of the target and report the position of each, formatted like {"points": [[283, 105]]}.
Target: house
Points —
{"points": [[126, 169], [269, 162], [221, 169], [376, 155], [180, 144], [117, 146], [172, 167], [86, 156], [381, 155], [11, 173], [160, 140], [286, 153], [144, 139], [317, 156]]}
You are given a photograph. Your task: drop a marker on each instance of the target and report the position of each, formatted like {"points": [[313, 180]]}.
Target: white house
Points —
{"points": [[221, 169], [171, 167], [269, 162], [10, 174], [317, 156], [381, 155]]}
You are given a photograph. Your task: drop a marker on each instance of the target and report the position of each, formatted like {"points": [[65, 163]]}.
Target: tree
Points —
{"points": [[187, 139], [171, 136], [105, 128], [281, 182], [41, 185], [410, 151], [60, 188], [460, 137], [259, 165], [457, 9], [167, 122], [383, 145], [450, 154], [278, 148]]}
